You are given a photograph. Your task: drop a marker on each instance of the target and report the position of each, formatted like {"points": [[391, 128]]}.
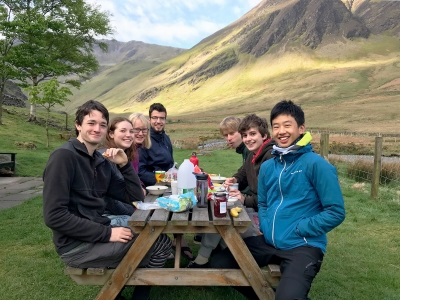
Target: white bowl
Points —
{"points": [[156, 189], [218, 179]]}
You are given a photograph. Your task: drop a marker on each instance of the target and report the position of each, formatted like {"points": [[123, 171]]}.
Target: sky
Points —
{"points": [[174, 23]]}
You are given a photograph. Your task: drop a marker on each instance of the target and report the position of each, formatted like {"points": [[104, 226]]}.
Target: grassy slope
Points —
{"points": [[353, 87]]}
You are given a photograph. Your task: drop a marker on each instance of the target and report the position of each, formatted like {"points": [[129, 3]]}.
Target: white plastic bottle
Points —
{"points": [[186, 180]]}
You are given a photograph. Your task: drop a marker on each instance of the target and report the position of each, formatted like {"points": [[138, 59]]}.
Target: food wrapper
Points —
{"points": [[178, 203]]}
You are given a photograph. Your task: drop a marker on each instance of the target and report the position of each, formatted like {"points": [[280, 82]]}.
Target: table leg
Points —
{"points": [[246, 262], [178, 238], [130, 262]]}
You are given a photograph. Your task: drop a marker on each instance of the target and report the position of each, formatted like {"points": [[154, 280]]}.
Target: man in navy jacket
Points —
{"points": [[159, 157]]}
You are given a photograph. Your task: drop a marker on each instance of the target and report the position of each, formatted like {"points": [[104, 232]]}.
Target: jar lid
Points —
{"points": [[220, 194], [201, 176]]}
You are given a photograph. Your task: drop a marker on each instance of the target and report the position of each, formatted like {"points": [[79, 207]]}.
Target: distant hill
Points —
{"points": [[339, 59]]}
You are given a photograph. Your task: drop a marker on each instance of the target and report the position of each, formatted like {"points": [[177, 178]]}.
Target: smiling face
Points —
{"points": [[286, 130], [253, 139], [92, 129], [158, 120], [141, 131], [122, 135]]}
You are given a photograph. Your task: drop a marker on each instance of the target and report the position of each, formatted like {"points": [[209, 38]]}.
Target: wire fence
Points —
{"points": [[377, 169]]}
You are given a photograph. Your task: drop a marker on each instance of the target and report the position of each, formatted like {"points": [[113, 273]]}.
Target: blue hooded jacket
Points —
{"points": [[299, 199]]}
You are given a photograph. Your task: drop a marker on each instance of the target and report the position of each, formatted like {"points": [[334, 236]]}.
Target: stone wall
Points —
{"points": [[9, 100]]}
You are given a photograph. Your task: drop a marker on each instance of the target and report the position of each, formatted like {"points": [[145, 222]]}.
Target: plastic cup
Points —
{"points": [[234, 186], [159, 176], [174, 187]]}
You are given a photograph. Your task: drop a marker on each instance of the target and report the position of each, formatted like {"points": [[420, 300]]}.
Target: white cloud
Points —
{"points": [[177, 23]]}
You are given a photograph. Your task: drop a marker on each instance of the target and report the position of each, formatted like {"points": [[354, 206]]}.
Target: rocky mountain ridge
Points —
{"points": [[328, 53]]}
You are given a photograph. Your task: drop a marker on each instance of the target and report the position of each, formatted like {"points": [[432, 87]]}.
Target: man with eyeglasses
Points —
{"points": [[159, 157]]}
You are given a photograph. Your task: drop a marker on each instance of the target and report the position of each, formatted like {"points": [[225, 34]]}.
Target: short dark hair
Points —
{"points": [[158, 107], [288, 108], [86, 109], [254, 121]]}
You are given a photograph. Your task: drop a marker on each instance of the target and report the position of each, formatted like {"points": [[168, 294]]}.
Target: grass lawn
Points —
{"points": [[362, 261]]}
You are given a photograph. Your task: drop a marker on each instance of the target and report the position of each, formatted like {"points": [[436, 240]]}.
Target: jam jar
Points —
{"points": [[220, 204]]}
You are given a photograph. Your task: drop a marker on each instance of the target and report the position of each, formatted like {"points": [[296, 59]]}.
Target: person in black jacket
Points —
{"points": [[77, 178]]}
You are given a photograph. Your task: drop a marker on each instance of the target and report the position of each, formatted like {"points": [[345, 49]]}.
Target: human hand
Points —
{"points": [[121, 234], [228, 182], [233, 192], [117, 156]]}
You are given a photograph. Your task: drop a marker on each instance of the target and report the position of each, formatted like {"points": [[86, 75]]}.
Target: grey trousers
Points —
{"points": [[209, 241], [110, 254]]}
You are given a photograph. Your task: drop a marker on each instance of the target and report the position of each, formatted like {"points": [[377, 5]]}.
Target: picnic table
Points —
{"points": [[151, 223]]}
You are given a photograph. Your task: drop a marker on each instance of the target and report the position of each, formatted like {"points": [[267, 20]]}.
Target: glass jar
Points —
{"points": [[220, 205]]}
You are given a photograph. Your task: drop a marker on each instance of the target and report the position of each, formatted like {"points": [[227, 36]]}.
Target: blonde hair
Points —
{"points": [[140, 116], [229, 125]]}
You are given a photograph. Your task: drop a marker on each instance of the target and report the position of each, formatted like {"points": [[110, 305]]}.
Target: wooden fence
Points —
{"points": [[377, 160]]}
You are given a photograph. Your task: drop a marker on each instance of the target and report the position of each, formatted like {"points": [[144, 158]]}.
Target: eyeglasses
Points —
{"points": [[138, 130], [158, 118]]}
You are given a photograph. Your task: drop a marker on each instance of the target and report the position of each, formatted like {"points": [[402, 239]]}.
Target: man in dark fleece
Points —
{"points": [[77, 178]]}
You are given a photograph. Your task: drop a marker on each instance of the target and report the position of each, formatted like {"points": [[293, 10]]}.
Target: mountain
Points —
{"points": [[339, 59]]}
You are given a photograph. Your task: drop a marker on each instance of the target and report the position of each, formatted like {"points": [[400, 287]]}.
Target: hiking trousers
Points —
{"points": [[298, 266]]}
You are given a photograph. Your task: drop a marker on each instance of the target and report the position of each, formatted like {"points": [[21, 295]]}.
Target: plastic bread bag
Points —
{"points": [[178, 203]]}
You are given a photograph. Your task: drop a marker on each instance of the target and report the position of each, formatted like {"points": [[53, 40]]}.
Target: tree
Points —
{"points": [[48, 94], [7, 67], [55, 38]]}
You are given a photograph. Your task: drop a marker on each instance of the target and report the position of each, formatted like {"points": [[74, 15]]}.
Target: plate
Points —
{"points": [[218, 179]]}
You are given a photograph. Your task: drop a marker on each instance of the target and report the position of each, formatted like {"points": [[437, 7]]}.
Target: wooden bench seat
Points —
{"points": [[180, 277], [8, 166]]}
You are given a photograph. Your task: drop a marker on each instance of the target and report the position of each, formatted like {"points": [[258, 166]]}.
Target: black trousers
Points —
{"points": [[298, 266]]}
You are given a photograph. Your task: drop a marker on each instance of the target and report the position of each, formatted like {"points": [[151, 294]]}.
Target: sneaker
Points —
{"points": [[197, 239], [192, 264]]}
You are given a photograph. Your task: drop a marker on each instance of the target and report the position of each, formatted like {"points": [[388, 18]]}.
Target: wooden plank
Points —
{"points": [[99, 271], [223, 221], [180, 219], [150, 198], [200, 217], [243, 219], [68, 270], [139, 218], [274, 270], [177, 277], [159, 217]]}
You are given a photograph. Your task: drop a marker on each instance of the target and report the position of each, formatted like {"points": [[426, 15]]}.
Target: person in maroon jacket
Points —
{"points": [[256, 137]]}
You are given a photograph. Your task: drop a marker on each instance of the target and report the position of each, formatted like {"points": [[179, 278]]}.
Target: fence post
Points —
{"points": [[324, 145], [377, 166]]}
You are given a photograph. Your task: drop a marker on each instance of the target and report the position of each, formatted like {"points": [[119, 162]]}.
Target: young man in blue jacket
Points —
{"points": [[299, 200]]}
